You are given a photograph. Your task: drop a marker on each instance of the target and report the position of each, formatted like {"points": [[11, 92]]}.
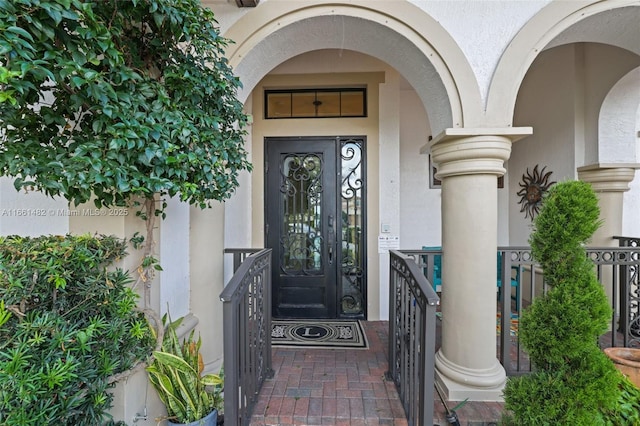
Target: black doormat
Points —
{"points": [[318, 334]]}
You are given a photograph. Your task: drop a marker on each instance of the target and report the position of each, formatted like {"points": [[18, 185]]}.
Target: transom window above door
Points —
{"points": [[315, 103]]}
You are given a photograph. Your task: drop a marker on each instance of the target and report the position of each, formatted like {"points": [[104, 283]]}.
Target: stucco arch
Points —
{"points": [[618, 121], [557, 23], [395, 32]]}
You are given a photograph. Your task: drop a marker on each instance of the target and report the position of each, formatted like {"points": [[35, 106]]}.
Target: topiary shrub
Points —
{"points": [[574, 383], [69, 327]]}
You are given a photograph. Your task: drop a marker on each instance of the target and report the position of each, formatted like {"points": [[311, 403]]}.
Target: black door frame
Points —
{"points": [[343, 276], [302, 287]]}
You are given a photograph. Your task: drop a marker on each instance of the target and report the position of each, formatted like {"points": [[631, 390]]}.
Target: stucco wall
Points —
{"points": [[420, 213], [482, 29], [561, 97], [206, 248], [546, 101], [31, 214], [174, 250], [604, 65]]}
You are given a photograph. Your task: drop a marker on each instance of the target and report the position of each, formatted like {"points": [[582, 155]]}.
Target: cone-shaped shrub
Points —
{"points": [[574, 382]]}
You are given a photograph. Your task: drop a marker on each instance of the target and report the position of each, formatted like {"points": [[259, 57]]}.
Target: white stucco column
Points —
{"points": [[469, 162], [610, 182]]}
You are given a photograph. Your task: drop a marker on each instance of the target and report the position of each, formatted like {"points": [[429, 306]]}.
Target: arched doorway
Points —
{"points": [[423, 55]]}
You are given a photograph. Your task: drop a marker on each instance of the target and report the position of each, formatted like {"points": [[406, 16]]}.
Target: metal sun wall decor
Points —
{"points": [[533, 186]]}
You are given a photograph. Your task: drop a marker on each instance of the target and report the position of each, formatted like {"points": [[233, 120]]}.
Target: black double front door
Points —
{"points": [[312, 234]]}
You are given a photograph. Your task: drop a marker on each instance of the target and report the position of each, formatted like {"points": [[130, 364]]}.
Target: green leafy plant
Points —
{"points": [[69, 329], [119, 102], [122, 103], [176, 374], [627, 409], [574, 383]]}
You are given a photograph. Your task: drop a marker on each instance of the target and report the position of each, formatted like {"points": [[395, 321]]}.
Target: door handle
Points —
{"points": [[332, 238]]}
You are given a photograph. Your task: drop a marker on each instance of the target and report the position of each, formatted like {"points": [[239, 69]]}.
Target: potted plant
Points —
{"points": [[191, 398]]}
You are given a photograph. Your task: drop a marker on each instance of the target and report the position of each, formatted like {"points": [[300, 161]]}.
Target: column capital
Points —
{"points": [[608, 177], [464, 151]]}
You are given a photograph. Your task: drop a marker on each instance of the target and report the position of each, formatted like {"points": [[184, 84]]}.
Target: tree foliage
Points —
{"points": [[118, 99]]}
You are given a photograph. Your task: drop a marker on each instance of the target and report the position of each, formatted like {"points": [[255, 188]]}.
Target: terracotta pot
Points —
{"points": [[627, 360]]}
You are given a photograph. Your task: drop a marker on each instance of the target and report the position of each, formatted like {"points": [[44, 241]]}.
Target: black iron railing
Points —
{"points": [[412, 330], [630, 286], [627, 241], [247, 333], [617, 269], [240, 254]]}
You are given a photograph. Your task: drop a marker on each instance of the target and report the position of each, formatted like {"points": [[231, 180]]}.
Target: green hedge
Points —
{"points": [[68, 323]]}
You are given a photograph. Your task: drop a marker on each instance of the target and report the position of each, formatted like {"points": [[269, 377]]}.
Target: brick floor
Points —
{"points": [[314, 386]]}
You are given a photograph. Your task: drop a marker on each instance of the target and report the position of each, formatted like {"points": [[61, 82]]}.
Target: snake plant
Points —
{"points": [[176, 374]]}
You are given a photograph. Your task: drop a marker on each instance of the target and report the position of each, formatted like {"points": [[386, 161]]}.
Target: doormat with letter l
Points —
{"points": [[318, 334]]}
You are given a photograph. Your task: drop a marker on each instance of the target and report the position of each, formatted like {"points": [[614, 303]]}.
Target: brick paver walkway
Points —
{"points": [[344, 387]]}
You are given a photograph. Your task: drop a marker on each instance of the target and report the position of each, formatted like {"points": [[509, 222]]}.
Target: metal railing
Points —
{"points": [[627, 241], [247, 333], [617, 269], [624, 272], [240, 254], [412, 330], [516, 263], [630, 286]]}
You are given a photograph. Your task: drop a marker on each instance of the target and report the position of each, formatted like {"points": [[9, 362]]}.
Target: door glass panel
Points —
{"points": [[300, 196], [352, 232]]}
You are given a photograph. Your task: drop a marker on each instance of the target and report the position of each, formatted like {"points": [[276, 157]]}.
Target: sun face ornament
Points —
{"points": [[532, 188]]}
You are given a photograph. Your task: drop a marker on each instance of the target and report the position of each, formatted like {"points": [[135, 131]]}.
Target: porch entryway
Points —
{"points": [[395, 375], [315, 223], [346, 387]]}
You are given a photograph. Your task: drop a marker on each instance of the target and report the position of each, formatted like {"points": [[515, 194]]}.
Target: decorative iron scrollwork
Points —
{"points": [[301, 189], [533, 186], [352, 238]]}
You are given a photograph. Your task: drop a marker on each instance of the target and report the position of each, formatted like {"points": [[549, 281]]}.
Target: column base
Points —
{"points": [[452, 391], [458, 383]]}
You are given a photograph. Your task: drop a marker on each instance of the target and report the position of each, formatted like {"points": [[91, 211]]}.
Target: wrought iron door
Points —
{"points": [[315, 225]]}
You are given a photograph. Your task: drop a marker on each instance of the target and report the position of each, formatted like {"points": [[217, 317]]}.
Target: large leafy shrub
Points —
{"points": [[119, 102], [68, 326], [116, 99], [574, 383]]}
